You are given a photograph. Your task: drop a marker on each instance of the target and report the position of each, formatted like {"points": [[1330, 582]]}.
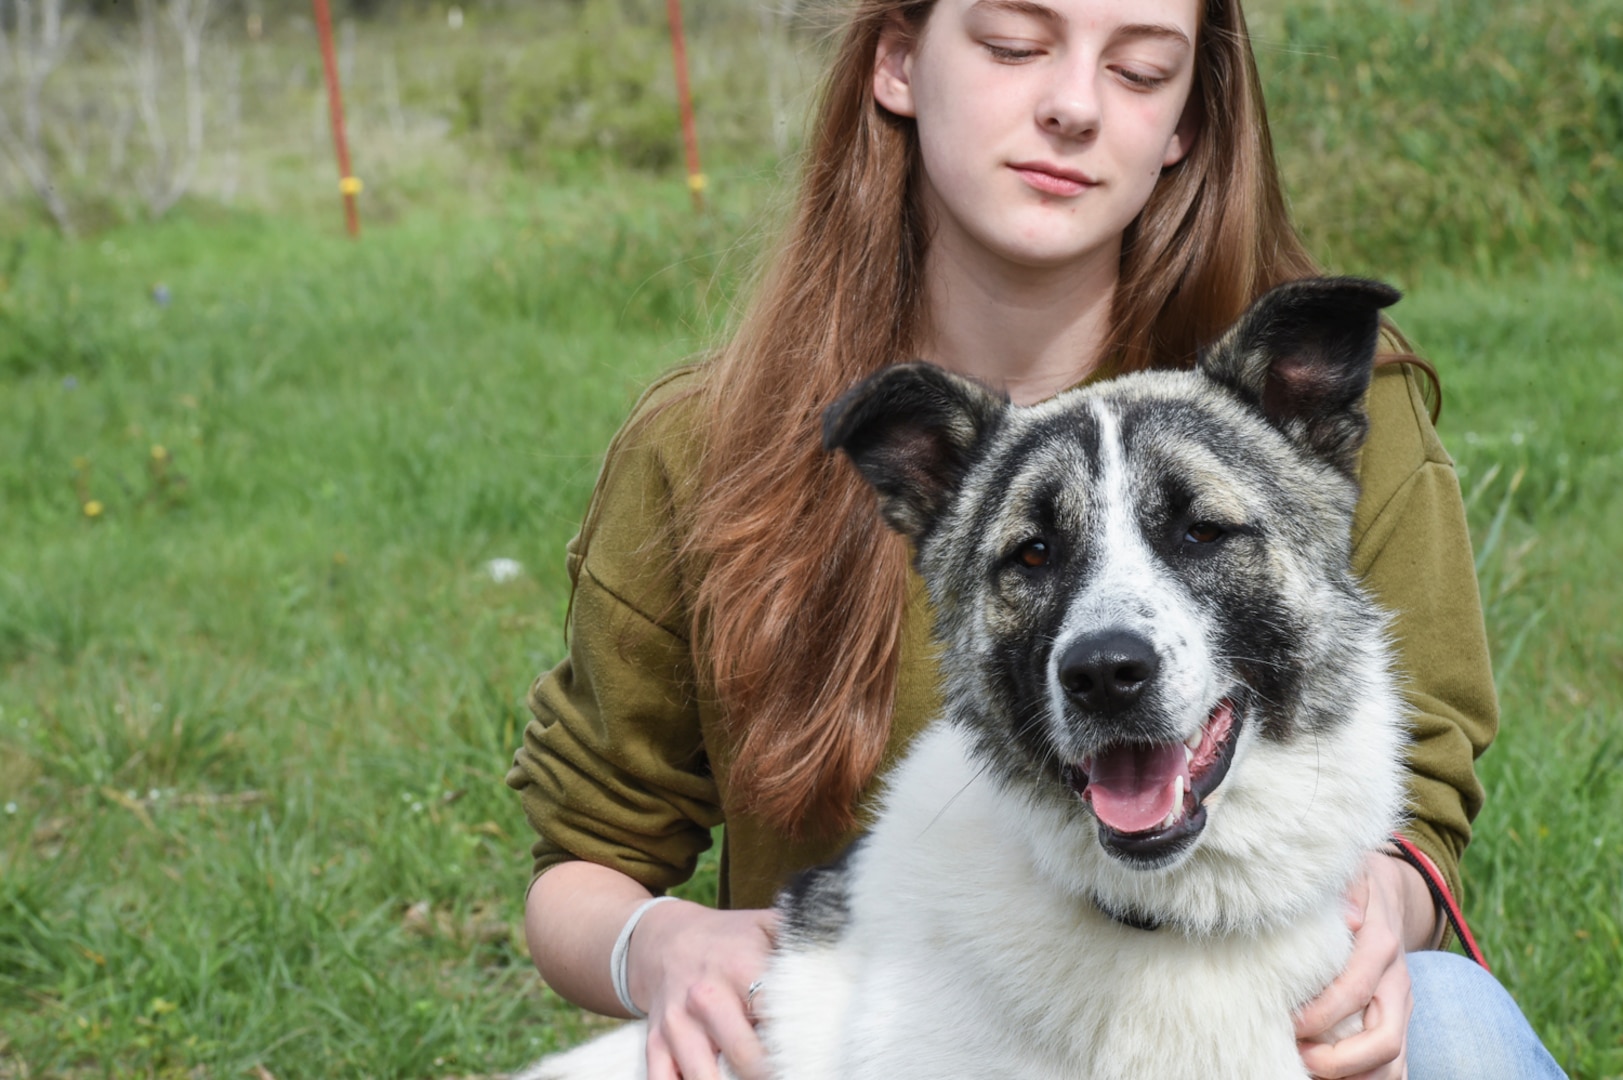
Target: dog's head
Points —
{"points": [[1141, 582]]}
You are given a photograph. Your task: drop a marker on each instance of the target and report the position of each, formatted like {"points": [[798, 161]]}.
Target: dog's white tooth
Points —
{"points": [[1188, 754], [1193, 742], [1177, 803]]}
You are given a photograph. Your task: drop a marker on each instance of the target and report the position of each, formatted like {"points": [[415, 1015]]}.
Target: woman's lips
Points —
{"points": [[1051, 179]]}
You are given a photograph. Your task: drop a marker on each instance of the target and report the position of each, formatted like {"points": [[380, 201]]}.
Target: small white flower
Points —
{"points": [[503, 570], [11, 808]]}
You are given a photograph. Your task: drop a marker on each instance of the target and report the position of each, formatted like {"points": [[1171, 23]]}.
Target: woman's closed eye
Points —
{"points": [[1140, 79], [1011, 52]]}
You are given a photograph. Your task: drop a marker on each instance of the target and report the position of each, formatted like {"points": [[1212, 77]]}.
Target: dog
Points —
{"points": [[1171, 729]]}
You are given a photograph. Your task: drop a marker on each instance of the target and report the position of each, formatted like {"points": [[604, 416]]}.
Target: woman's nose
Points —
{"points": [[1070, 108]]}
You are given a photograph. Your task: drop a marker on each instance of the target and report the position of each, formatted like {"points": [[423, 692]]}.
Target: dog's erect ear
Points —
{"points": [[1303, 354], [912, 431]]}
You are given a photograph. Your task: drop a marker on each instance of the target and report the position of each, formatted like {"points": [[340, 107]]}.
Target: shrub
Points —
{"points": [[600, 87]]}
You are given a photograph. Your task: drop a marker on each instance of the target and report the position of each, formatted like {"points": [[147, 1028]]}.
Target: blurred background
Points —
{"points": [[282, 512]]}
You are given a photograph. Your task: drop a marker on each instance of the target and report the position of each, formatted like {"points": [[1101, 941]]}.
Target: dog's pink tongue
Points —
{"points": [[1131, 788]]}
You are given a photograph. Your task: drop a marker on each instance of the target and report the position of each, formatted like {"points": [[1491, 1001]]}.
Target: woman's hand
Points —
{"points": [[690, 968], [1386, 913]]}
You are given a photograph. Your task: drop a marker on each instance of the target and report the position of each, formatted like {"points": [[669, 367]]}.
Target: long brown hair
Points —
{"points": [[796, 620]]}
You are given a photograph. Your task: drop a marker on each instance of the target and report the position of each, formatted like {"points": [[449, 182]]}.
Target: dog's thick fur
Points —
{"points": [[1155, 560]]}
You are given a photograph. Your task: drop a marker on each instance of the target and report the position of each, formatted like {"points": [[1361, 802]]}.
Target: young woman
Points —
{"points": [[1033, 194]]}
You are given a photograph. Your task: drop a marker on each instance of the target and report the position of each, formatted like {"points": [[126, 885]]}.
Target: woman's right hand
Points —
{"points": [[690, 968]]}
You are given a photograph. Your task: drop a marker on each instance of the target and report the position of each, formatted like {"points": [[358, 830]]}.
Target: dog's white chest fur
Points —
{"points": [[963, 958], [972, 948]]}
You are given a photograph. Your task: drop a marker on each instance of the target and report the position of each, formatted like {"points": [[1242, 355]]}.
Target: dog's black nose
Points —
{"points": [[1107, 672]]}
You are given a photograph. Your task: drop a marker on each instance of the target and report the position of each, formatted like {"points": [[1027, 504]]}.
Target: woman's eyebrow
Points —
{"points": [[1162, 31], [1131, 31], [1020, 7]]}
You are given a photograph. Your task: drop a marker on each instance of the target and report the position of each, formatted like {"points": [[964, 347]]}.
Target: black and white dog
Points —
{"points": [[1171, 728]]}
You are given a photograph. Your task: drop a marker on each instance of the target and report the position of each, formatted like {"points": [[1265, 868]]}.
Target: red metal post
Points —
{"points": [[690, 137], [347, 183]]}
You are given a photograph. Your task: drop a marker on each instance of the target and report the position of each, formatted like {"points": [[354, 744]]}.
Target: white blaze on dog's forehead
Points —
{"points": [[1130, 589]]}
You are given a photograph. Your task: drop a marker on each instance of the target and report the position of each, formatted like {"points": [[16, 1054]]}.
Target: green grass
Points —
{"points": [[294, 607], [258, 707], [1467, 134], [1535, 384]]}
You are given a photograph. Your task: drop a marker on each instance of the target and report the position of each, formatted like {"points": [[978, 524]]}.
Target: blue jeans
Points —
{"points": [[1465, 1025]]}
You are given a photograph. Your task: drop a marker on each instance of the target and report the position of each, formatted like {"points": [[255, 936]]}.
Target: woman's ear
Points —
{"points": [[893, 68], [1184, 135]]}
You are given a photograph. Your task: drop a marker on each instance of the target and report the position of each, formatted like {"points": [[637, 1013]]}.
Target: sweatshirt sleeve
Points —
{"points": [[613, 767], [1413, 549]]}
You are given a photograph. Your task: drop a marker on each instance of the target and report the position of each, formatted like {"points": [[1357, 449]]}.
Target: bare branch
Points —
{"points": [[145, 70], [171, 174], [31, 55]]}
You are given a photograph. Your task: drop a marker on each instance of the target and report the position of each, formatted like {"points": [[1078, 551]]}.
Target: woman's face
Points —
{"points": [[1043, 126]]}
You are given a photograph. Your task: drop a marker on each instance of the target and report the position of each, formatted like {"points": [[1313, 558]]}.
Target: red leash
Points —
{"points": [[1439, 893]]}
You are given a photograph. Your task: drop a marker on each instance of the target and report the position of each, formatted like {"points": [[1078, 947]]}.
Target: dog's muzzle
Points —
{"points": [[1150, 799]]}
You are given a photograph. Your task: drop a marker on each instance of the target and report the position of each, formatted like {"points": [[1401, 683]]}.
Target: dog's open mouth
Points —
{"points": [[1150, 801]]}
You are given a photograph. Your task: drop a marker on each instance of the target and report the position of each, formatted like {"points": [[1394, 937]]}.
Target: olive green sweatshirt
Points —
{"points": [[625, 764]]}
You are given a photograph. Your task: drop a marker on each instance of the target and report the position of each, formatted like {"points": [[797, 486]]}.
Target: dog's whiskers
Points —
{"points": [[983, 768]]}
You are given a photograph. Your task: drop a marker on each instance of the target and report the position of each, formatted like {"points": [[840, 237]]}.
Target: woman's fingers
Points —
{"points": [[693, 966], [1389, 1024], [680, 1049], [1374, 989], [661, 1058], [724, 1014], [1375, 917], [1378, 1052], [684, 1043], [1348, 995]]}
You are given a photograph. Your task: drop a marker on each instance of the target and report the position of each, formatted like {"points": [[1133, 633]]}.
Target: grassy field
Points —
{"points": [[258, 685], [259, 688]]}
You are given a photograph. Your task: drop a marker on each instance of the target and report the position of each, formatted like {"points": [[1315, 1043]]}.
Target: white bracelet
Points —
{"points": [[622, 950]]}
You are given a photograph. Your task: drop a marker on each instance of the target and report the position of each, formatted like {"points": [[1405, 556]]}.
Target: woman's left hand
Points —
{"points": [[1374, 984]]}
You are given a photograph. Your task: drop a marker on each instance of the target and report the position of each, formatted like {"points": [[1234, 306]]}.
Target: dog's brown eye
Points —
{"points": [[1203, 532], [1033, 553]]}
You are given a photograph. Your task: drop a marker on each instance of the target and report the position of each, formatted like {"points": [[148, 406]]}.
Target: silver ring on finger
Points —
{"points": [[749, 998]]}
